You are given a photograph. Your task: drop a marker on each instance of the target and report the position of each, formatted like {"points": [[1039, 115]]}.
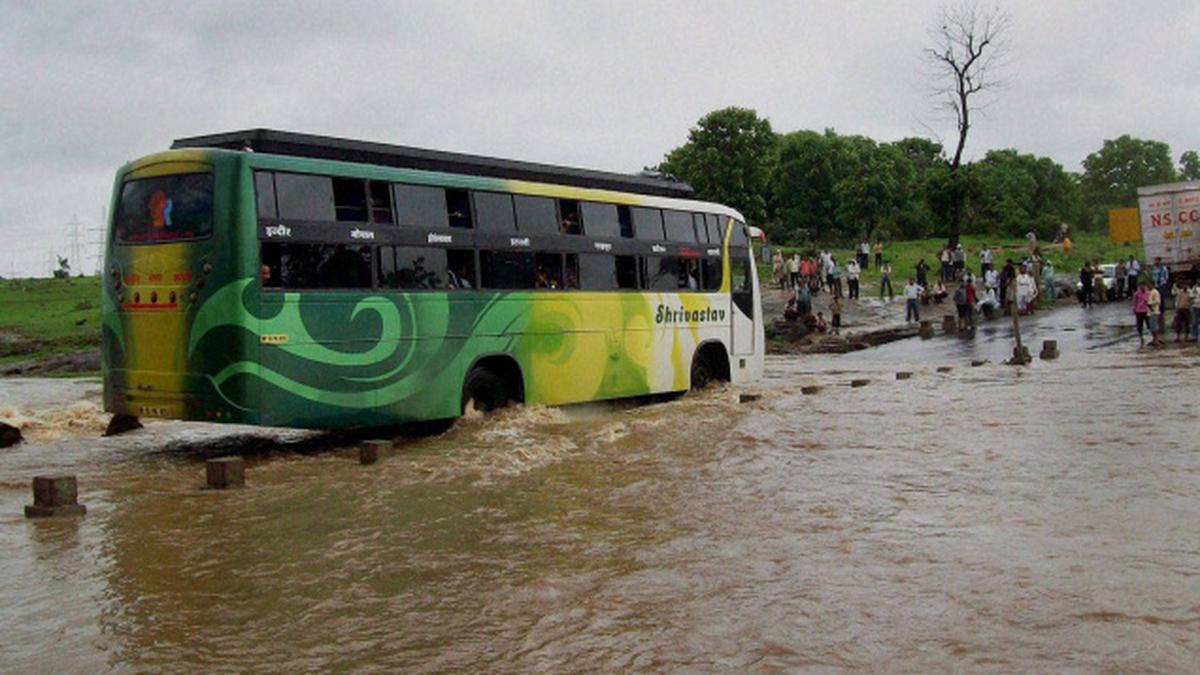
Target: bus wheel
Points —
{"points": [[702, 374], [484, 391], [709, 364]]}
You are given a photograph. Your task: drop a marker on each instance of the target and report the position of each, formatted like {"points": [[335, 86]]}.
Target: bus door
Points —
{"points": [[743, 305]]}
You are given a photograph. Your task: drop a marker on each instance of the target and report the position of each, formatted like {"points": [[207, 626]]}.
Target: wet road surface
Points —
{"points": [[985, 519]]}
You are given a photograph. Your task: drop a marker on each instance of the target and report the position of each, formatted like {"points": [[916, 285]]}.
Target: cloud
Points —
{"points": [[611, 85]]}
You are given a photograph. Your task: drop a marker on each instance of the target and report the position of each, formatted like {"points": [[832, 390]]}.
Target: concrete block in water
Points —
{"points": [[926, 330], [1019, 358], [55, 496], [809, 389], [903, 375], [369, 451], [226, 472], [945, 369], [950, 324], [1049, 350], [748, 398], [978, 362], [859, 383]]}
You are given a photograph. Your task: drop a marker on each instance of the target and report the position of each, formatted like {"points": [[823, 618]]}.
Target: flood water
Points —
{"points": [[985, 519]]}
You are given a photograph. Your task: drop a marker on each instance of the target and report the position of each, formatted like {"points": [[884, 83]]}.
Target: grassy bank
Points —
{"points": [[903, 255], [40, 317]]}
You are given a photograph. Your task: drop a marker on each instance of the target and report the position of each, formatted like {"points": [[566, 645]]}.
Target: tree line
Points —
{"points": [[808, 186]]}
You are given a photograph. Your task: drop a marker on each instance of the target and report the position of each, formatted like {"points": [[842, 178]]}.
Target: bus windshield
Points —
{"points": [[165, 208]]}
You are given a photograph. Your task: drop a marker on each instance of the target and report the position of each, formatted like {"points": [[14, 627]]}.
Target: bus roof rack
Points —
{"points": [[275, 142]]}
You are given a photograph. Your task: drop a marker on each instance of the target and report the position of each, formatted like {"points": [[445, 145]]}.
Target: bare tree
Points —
{"points": [[967, 53]]}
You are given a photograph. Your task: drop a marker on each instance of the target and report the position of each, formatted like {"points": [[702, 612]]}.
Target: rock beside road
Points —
{"points": [[84, 361], [9, 435]]}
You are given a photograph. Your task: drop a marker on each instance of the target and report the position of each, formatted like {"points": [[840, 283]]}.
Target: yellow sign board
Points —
{"points": [[1124, 225]]}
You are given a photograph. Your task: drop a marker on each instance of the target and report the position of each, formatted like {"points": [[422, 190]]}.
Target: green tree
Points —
{"points": [[1112, 174], [728, 158], [870, 187], [924, 153], [802, 187], [1017, 193], [1189, 166]]}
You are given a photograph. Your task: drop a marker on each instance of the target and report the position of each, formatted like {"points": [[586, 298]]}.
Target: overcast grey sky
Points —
{"points": [[86, 86]]}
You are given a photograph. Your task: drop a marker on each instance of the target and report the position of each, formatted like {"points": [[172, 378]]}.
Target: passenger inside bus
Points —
{"points": [[570, 216], [456, 279]]}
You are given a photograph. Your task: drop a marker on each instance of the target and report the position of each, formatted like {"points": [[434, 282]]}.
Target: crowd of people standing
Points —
{"points": [[1020, 282]]}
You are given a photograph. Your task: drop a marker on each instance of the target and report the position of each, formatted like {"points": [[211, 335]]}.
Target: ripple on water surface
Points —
{"points": [[986, 518]]}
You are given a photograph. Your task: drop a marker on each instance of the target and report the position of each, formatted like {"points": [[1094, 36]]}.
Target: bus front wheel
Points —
{"points": [[702, 374]]}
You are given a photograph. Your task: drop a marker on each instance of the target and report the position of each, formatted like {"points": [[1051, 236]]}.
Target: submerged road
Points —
{"points": [[986, 519]]}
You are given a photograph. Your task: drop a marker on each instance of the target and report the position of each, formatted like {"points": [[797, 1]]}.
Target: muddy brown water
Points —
{"points": [[985, 519]]}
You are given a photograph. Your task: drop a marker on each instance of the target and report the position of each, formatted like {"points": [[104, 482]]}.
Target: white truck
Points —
{"points": [[1170, 219]]}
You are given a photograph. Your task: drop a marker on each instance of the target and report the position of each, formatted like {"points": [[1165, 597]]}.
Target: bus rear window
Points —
{"points": [[165, 208]]}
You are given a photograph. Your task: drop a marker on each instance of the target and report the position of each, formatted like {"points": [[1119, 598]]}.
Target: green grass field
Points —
{"points": [[903, 255], [39, 317]]}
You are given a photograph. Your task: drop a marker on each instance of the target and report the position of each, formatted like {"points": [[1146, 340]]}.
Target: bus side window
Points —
{"points": [[598, 272], [716, 234], [661, 273], [679, 226], [506, 269], [689, 274], [421, 206], [461, 269], [271, 264], [458, 208], [647, 224], [495, 212], [385, 264], [700, 227], [568, 217], [743, 287], [601, 220], [738, 235], [625, 217], [548, 270], [712, 273], [308, 266], [381, 203], [264, 194], [627, 272], [303, 197], [536, 215], [350, 200], [420, 268], [571, 271]]}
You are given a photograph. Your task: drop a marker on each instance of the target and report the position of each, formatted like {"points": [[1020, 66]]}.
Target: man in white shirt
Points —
{"points": [[1026, 290], [912, 304], [985, 260], [852, 272], [1132, 268], [991, 279]]}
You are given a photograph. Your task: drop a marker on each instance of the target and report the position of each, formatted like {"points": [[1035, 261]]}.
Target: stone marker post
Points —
{"points": [[1049, 350], [369, 451], [55, 496], [226, 472]]}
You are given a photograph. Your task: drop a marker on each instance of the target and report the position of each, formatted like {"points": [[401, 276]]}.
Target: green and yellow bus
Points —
{"points": [[281, 279]]}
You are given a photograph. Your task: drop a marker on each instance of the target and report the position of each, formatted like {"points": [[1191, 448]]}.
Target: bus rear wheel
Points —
{"points": [[484, 391]]}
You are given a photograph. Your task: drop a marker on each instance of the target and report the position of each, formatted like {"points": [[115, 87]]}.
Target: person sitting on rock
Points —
{"points": [[939, 292], [791, 312]]}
